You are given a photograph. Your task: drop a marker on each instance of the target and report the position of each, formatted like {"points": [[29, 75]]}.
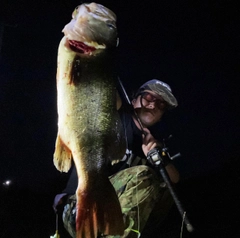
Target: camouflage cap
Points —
{"points": [[160, 88]]}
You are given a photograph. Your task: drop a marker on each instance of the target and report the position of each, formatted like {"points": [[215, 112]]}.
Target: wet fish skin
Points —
{"points": [[89, 125]]}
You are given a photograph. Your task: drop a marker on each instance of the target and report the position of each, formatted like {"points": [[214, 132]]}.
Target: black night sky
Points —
{"points": [[192, 45]]}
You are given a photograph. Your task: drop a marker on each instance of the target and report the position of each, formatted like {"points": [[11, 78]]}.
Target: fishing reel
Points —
{"points": [[161, 156]]}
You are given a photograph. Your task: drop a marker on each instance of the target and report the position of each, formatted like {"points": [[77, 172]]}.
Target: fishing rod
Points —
{"points": [[159, 157], [124, 94]]}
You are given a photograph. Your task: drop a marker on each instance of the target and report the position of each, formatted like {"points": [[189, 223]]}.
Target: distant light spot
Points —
{"points": [[7, 183]]}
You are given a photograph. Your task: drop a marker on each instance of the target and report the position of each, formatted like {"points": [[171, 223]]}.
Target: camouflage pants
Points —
{"points": [[138, 189]]}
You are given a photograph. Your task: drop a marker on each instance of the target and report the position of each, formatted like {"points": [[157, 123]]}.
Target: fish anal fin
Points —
{"points": [[98, 210], [62, 157]]}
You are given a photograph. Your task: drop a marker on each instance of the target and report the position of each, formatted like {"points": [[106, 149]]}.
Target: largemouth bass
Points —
{"points": [[88, 122]]}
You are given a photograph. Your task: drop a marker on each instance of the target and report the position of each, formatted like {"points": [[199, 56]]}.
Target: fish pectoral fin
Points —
{"points": [[98, 211], [62, 157]]}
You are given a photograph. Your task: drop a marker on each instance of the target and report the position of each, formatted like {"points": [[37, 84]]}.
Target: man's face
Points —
{"points": [[149, 107]]}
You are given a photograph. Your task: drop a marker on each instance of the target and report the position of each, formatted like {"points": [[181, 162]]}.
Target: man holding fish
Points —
{"points": [[105, 195]]}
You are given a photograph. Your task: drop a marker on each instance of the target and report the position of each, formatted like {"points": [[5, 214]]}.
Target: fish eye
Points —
{"points": [[111, 26], [75, 11]]}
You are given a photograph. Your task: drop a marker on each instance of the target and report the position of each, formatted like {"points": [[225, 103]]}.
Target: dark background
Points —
{"points": [[192, 45]]}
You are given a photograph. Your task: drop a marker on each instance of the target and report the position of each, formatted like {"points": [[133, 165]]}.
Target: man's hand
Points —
{"points": [[149, 142]]}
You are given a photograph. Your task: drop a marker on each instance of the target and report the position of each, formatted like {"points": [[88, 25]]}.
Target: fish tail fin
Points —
{"points": [[98, 211], [62, 157]]}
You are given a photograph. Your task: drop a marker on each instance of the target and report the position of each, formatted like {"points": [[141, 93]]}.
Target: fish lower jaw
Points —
{"points": [[95, 45]]}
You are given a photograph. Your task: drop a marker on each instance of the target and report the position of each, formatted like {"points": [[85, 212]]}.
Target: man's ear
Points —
{"points": [[133, 101]]}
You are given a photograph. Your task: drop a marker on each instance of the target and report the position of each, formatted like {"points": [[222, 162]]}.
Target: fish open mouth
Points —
{"points": [[80, 47]]}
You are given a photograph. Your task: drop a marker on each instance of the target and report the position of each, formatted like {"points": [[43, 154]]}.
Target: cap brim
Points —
{"points": [[164, 93]]}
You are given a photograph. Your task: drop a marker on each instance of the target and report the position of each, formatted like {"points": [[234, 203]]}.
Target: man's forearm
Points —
{"points": [[172, 172]]}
